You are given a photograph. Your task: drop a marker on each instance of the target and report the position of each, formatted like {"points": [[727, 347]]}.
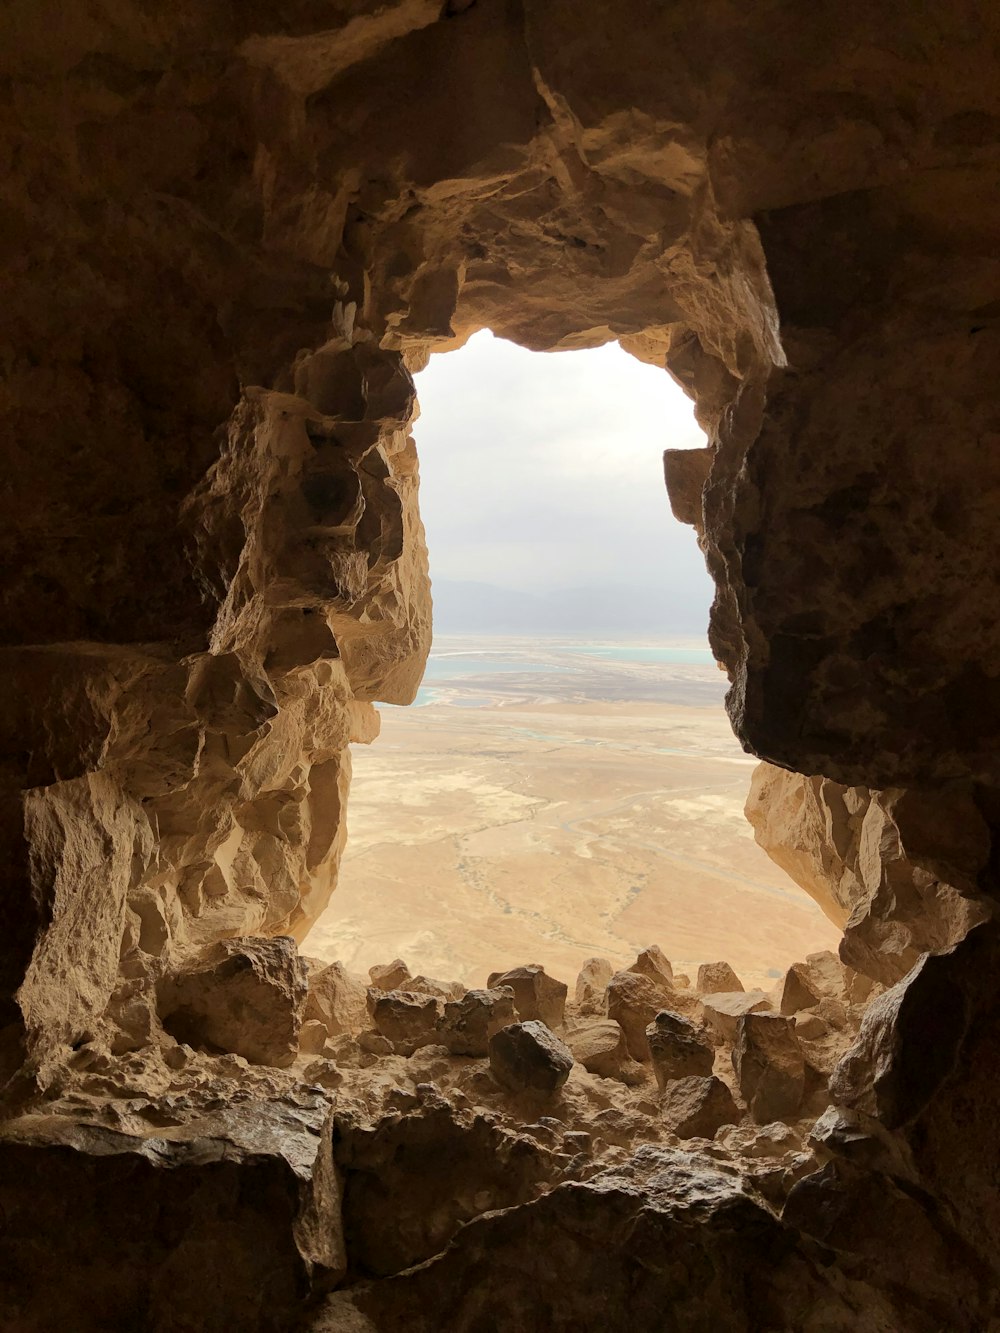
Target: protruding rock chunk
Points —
{"points": [[469, 1023], [246, 997], [714, 978], [633, 1002], [591, 985], [528, 1057], [698, 1107], [536, 995], [444, 990], [653, 963], [600, 1047], [405, 1018], [312, 1037], [337, 999], [798, 991], [677, 1049], [769, 1066], [390, 976], [722, 1012]]}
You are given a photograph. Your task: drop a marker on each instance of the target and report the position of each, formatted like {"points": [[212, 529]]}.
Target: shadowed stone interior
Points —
{"points": [[232, 234]]}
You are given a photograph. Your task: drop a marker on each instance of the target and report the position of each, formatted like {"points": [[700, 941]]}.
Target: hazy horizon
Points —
{"points": [[543, 498]]}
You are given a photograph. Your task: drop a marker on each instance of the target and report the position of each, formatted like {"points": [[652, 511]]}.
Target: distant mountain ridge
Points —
{"points": [[486, 608]]}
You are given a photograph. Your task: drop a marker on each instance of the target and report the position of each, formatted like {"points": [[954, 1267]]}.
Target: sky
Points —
{"points": [[542, 475]]}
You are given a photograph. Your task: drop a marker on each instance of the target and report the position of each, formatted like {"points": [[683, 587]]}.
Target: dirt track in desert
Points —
{"points": [[578, 806]]}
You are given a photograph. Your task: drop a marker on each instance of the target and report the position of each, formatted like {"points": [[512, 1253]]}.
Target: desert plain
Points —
{"points": [[546, 801]]}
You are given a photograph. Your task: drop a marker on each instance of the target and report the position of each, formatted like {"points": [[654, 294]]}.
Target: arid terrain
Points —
{"points": [[546, 802]]}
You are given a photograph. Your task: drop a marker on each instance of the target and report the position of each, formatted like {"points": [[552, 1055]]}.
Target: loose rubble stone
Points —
{"points": [[248, 998], [536, 995], [404, 1018], [797, 992], [469, 1023], [528, 1057], [677, 1049], [338, 1000], [770, 1070], [723, 1012], [697, 1107], [312, 1037], [653, 963], [444, 990], [390, 976], [600, 1047], [591, 984], [633, 1002], [714, 978]]}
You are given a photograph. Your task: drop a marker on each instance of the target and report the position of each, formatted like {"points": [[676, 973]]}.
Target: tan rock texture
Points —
{"points": [[231, 234]]}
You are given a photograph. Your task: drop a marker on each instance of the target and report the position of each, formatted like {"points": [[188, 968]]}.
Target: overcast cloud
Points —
{"points": [[543, 471]]}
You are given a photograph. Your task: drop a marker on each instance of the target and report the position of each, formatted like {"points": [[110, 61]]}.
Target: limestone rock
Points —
{"points": [[633, 1002], [528, 1057], [411, 1181], [653, 963], [723, 1011], [338, 1000], [591, 985], [469, 1023], [444, 990], [716, 978], [659, 1201], [698, 1106], [897, 869], [390, 976], [536, 995], [677, 1049], [406, 1019], [312, 1037], [770, 1070], [248, 998], [797, 991], [600, 1047], [191, 1206]]}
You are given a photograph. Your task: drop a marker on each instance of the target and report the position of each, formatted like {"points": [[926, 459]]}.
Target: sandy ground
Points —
{"points": [[500, 825]]}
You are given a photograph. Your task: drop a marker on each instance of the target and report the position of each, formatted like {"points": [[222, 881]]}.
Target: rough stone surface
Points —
{"points": [[591, 984], [798, 991], [664, 1202], [469, 1023], [898, 870], [407, 1019], [528, 1057], [536, 995], [698, 1106], [723, 1011], [714, 978], [338, 1000], [390, 976], [234, 233], [676, 1049], [769, 1065], [249, 999], [633, 1002], [601, 1048], [154, 1230], [653, 963]]}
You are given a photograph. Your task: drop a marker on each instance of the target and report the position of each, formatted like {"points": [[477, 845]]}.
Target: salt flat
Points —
{"points": [[547, 801]]}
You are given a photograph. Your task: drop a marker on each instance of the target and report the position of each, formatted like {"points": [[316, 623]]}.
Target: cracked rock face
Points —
{"points": [[233, 234]]}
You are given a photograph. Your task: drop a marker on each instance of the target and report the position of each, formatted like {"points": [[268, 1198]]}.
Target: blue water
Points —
{"points": [[627, 653], [450, 665]]}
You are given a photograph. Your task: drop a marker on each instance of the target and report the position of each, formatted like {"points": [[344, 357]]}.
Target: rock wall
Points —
{"points": [[232, 234]]}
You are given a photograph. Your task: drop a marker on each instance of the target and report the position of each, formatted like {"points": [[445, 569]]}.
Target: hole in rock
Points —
{"points": [[567, 783]]}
